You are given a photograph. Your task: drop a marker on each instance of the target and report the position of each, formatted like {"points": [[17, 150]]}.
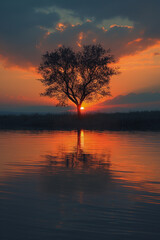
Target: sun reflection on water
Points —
{"points": [[125, 157]]}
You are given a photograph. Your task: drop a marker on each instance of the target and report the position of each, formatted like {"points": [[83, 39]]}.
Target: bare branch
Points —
{"points": [[77, 76]]}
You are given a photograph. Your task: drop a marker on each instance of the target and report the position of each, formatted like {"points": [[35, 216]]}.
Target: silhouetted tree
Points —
{"points": [[77, 76]]}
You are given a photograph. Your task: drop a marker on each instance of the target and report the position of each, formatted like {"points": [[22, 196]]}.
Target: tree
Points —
{"points": [[77, 76]]}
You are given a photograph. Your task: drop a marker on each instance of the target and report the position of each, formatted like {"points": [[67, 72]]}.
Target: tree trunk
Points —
{"points": [[79, 111]]}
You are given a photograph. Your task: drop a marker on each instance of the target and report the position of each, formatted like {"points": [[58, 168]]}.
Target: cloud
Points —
{"points": [[29, 28], [33, 109], [145, 101], [144, 13], [134, 98], [21, 29], [157, 54], [122, 40]]}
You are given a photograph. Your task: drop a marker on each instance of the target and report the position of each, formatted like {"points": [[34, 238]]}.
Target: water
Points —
{"points": [[79, 185]]}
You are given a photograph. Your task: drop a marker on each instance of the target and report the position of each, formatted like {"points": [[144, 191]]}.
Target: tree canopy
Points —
{"points": [[77, 76]]}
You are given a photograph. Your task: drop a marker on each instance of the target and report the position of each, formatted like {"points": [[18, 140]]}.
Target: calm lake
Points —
{"points": [[79, 185]]}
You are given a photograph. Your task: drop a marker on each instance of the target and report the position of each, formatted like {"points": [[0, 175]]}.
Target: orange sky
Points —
{"points": [[129, 28], [139, 73]]}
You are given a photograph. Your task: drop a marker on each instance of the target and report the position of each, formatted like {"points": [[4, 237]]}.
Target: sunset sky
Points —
{"points": [[28, 28]]}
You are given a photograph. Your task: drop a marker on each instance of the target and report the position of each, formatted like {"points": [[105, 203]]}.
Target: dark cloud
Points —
{"points": [[12, 109], [134, 98], [24, 25], [121, 40], [157, 54], [145, 101], [144, 13], [21, 30]]}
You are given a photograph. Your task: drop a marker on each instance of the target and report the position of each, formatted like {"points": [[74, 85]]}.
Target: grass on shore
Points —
{"points": [[99, 121]]}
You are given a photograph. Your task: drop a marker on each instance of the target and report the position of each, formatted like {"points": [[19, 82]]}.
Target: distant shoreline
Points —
{"points": [[133, 121]]}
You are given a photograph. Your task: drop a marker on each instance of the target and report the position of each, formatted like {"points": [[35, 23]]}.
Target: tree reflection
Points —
{"points": [[78, 171], [78, 158]]}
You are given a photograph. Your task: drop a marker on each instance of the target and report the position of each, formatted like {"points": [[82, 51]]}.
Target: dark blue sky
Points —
{"points": [[24, 23]]}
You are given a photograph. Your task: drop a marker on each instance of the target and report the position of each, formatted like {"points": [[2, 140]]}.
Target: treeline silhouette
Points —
{"points": [[147, 120]]}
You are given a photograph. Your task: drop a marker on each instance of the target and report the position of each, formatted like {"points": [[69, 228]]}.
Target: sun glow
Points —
{"points": [[82, 108]]}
